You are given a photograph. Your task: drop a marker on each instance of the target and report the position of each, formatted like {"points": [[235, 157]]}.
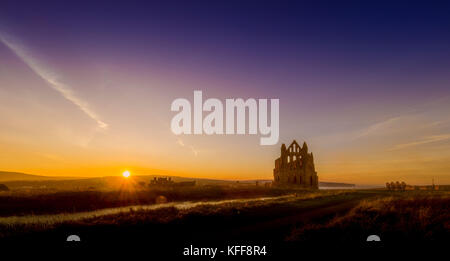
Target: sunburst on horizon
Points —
{"points": [[126, 174]]}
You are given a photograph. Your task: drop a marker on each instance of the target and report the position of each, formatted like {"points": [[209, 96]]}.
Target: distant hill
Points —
{"points": [[18, 176], [199, 181], [29, 181], [23, 180]]}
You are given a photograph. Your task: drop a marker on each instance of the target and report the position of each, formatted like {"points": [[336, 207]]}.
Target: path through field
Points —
{"points": [[265, 221]]}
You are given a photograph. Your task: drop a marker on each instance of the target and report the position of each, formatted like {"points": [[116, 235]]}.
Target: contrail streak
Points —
{"points": [[51, 78], [425, 140]]}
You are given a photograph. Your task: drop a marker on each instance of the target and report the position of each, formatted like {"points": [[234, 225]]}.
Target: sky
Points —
{"points": [[86, 88]]}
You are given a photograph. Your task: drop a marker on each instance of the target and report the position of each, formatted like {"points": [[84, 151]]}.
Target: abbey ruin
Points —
{"points": [[295, 166]]}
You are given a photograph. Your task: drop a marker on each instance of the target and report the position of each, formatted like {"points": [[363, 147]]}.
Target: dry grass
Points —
{"points": [[405, 216], [32, 203], [157, 213]]}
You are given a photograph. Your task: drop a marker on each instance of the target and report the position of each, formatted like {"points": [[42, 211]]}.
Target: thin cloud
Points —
{"points": [[377, 127], [193, 150], [51, 78], [425, 140], [180, 142]]}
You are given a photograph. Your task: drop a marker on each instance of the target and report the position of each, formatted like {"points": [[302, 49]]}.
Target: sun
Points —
{"points": [[126, 174]]}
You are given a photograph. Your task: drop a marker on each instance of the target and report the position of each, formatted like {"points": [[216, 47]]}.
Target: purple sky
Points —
{"points": [[366, 85]]}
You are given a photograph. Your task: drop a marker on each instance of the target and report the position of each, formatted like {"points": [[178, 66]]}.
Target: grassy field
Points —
{"points": [[410, 216], [274, 218], [19, 203]]}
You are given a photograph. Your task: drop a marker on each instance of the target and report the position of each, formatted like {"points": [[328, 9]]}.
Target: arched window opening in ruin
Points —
{"points": [[310, 178], [295, 180]]}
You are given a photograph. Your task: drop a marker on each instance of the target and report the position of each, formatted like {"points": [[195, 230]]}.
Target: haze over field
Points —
{"points": [[86, 91]]}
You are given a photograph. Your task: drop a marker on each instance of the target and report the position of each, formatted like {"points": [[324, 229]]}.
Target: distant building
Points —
{"points": [[295, 166], [166, 182], [397, 186], [161, 181], [402, 186]]}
